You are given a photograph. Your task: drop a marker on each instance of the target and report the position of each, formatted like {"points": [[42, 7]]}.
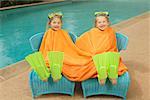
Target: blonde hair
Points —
{"points": [[50, 19], [55, 16], [104, 15]]}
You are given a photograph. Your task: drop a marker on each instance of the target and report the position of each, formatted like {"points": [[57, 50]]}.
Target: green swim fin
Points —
{"points": [[55, 59], [37, 62], [101, 63], [113, 64]]}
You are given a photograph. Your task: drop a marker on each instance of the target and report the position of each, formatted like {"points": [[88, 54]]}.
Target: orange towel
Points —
{"points": [[78, 64], [96, 41]]}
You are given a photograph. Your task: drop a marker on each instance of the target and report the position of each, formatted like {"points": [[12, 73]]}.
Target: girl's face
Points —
{"points": [[101, 22], [55, 23]]}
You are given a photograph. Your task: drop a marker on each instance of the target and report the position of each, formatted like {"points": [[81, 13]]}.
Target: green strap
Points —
{"points": [[110, 60], [55, 59], [113, 72], [102, 72], [56, 71], [101, 63], [113, 64]]}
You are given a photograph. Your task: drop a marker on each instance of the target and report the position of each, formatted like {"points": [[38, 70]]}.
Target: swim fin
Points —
{"points": [[37, 62], [55, 59]]}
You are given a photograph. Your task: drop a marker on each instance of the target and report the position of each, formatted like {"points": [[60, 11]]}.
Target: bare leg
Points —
{"points": [[113, 81], [45, 80], [102, 82], [56, 80]]}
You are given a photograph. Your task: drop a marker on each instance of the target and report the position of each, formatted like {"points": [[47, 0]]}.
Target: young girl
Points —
{"points": [[55, 21], [102, 23], [102, 20], [77, 64], [57, 39], [100, 39]]}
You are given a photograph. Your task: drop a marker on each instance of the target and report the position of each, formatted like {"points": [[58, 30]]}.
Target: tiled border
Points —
{"points": [[27, 5], [22, 66]]}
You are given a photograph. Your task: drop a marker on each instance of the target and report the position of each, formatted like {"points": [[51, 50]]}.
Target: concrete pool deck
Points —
{"points": [[14, 80]]}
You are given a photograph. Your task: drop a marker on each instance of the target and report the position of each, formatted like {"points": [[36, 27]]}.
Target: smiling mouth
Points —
{"points": [[102, 26]]}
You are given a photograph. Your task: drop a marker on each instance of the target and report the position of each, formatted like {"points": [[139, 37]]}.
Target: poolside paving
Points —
{"points": [[136, 57]]}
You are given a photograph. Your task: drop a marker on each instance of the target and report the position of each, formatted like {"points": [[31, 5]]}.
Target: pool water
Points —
{"points": [[18, 25]]}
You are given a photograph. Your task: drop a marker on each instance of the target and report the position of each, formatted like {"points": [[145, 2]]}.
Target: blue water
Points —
{"points": [[18, 25]]}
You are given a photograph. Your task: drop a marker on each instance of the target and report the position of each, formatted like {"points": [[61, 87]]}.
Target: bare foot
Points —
{"points": [[113, 81], [102, 82], [45, 80], [56, 80]]}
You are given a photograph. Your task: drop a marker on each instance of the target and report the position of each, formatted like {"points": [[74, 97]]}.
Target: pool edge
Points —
{"points": [[28, 5], [14, 69]]}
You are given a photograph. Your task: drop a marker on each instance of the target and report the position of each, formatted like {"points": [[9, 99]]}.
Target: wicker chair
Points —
{"points": [[38, 87], [92, 87]]}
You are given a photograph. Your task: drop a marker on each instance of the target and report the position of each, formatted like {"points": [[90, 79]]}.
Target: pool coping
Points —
{"points": [[28, 5], [15, 69]]}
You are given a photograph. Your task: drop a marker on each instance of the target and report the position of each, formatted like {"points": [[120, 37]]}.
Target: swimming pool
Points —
{"points": [[18, 25]]}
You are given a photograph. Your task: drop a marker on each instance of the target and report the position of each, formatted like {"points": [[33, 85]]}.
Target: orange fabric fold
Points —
{"points": [[96, 41], [78, 64], [74, 58]]}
